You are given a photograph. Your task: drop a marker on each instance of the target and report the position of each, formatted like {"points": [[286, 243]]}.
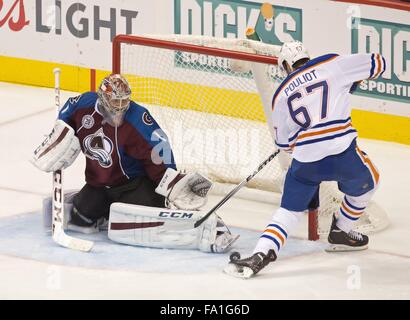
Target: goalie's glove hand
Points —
{"points": [[186, 191], [58, 150]]}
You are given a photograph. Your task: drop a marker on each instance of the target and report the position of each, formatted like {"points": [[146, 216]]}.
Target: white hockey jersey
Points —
{"points": [[311, 109]]}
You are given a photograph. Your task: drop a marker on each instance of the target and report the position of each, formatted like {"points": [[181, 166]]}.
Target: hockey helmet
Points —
{"points": [[291, 52], [114, 94]]}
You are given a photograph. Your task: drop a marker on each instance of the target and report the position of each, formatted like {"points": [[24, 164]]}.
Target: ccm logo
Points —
{"points": [[58, 197], [168, 214]]}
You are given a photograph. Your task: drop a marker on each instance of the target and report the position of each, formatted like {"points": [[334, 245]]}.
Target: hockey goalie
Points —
{"points": [[132, 188]]}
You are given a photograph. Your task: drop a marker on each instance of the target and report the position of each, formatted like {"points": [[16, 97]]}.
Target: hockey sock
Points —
{"points": [[351, 210], [276, 232]]}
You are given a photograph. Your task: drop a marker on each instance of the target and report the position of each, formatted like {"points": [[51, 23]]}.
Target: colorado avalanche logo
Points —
{"points": [[147, 119], [99, 147]]}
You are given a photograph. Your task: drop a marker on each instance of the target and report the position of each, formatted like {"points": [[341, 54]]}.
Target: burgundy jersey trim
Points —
{"points": [[134, 225]]}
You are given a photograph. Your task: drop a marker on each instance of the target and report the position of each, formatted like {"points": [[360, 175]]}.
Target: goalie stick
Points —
{"points": [[236, 189], [58, 234]]}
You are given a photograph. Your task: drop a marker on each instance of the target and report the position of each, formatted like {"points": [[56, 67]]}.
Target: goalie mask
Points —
{"points": [[290, 54], [114, 97]]}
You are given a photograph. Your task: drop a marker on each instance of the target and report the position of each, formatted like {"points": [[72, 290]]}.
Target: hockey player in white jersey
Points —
{"points": [[311, 118]]}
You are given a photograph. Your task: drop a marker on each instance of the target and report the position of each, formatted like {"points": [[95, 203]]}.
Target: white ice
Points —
{"points": [[32, 266]]}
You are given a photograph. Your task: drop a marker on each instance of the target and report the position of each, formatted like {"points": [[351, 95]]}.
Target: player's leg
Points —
{"points": [[297, 196], [89, 206], [140, 190], [360, 181]]}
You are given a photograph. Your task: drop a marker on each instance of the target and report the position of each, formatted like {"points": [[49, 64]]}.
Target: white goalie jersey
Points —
{"points": [[311, 109]]}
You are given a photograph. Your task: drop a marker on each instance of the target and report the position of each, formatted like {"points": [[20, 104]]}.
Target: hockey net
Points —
{"points": [[212, 97]]}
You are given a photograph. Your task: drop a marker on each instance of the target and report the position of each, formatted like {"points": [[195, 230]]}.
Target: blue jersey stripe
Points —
{"points": [[325, 138], [352, 206], [278, 227], [320, 125], [348, 216], [272, 239], [373, 66], [384, 66], [281, 145]]}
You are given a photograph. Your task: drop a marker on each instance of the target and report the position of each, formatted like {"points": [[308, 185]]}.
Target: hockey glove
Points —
{"points": [[186, 191], [58, 150]]}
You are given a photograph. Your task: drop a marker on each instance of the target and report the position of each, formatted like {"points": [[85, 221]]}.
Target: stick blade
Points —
{"points": [[72, 243], [81, 245]]}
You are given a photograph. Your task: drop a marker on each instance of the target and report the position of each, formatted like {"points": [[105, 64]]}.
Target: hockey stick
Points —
{"points": [[236, 189], [58, 234]]}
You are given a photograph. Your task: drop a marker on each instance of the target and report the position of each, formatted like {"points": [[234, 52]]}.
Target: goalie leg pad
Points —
{"points": [[100, 225], [161, 228], [214, 236], [152, 227], [48, 210]]}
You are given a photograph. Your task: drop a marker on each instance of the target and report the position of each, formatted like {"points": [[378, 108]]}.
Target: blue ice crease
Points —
{"points": [[23, 236]]}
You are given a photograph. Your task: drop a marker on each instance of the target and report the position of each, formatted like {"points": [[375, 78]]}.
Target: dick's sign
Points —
{"points": [[231, 18], [392, 40]]}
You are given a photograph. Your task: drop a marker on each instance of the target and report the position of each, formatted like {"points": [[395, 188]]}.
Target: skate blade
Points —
{"points": [[343, 248], [238, 272]]}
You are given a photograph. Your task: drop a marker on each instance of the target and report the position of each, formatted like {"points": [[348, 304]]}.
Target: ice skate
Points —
{"points": [[248, 267], [342, 241]]}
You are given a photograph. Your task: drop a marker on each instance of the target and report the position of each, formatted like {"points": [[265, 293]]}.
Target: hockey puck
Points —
{"points": [[235, 256]]}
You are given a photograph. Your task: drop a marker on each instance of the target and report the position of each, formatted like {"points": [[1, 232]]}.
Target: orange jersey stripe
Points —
{"points": [[379, 68], [316, 133], [370, 165], [276, 234], [311, 134]]}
